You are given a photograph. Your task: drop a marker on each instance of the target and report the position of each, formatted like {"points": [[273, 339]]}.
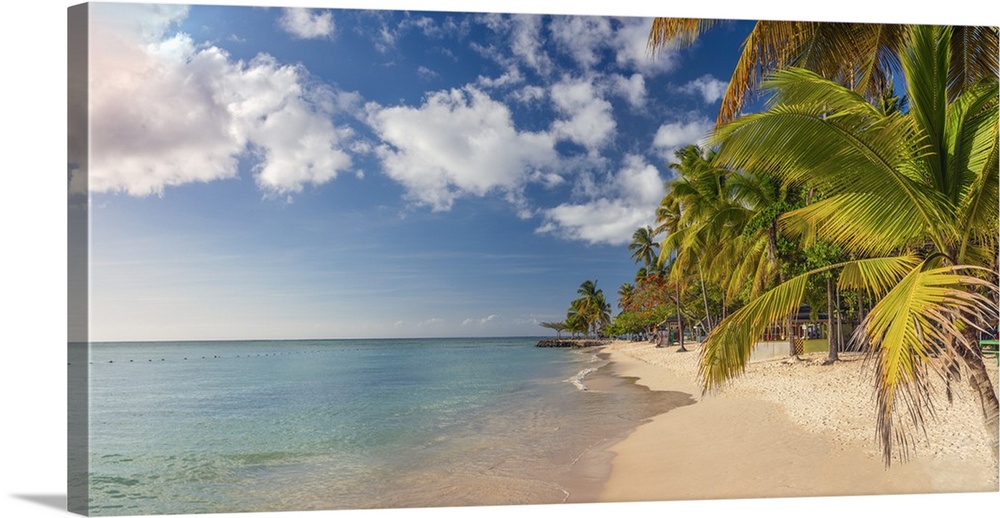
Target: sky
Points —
{"points": [[276, 172]]}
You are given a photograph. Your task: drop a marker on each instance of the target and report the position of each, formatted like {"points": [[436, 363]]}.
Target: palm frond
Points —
{"points": [[878, 275], [676, 32], [727, 348], [925, 63], [864, 223], [770, 46], [918, 319], [820, 132], [973, 154], [974, 57]]}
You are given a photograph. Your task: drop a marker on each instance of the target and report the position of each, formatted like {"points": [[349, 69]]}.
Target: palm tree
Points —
{"points": [[575, 321], [701, 218], [863, 56], [625, 293], [759, 252], [644, 246], [558, 327], [912, 195], [591, 307]]}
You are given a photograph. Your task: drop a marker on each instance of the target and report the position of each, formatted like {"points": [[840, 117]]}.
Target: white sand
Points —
{"points": [[784, 429]]}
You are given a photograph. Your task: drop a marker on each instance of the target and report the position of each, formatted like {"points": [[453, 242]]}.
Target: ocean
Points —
{"points": [[233, 426]]}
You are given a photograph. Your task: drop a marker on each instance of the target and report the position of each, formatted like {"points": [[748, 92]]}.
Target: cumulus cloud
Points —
{"points": [[629, 199], [582, 37], [632, 88], [458, 143], [166, 111], [480, 321], [307, 23], [529, 94], [587, 39], [709, 88], [512, 76], [629, 43], [675, 135], [526, 42], [588, 118]]}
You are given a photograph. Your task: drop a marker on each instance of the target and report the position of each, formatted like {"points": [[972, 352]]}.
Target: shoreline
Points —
{"points": [[783, 429]]}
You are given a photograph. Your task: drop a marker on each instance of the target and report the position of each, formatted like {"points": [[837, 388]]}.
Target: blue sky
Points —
{"points": [[274, 172], [279, 172]]}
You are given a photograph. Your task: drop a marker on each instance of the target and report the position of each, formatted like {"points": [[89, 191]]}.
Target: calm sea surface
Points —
{"points": [[192, 427]]}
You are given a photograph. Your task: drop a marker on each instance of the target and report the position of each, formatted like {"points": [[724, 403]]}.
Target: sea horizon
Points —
{"points": [[186, 340]]}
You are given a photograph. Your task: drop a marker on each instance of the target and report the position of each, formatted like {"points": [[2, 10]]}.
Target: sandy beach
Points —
{"points": [[786, 429]]}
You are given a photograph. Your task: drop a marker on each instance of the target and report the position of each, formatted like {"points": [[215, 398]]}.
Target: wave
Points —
{"points": [[577, 380]]}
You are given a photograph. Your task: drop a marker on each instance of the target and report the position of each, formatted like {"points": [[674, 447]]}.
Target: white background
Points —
{"points": [[32, 258]]}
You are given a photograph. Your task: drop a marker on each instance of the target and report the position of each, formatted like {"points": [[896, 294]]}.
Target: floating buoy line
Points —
{"points": [[214, 357]]}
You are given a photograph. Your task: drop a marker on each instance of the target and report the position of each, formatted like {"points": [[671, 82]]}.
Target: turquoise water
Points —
{"points": [[191, 427]]}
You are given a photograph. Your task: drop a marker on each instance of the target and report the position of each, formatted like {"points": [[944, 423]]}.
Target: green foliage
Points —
{"points": [[906, 210], [590, 312]]}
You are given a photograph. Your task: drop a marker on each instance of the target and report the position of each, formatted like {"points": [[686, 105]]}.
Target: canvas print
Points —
{"points": [[331, 258]]}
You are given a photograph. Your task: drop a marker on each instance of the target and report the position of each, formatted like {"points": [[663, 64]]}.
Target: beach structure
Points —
{"points": [[670, 329], [803, 325]]}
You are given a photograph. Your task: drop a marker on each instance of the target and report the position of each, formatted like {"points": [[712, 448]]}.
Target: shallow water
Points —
{"points": [[190, 427]]}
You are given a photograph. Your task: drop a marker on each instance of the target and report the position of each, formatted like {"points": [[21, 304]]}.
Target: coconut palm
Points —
{"points": [[591, 307], [701, 219], [644, 246], [913, 195], [575, 321], [863, 56], [625, 293]]}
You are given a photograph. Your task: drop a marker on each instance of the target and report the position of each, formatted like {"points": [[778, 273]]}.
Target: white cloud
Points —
{"points": [[582, 37], [626, 201], [629, 43], [675, 135], [528, 94], [165, 112], [587, 38], [431, 322], [526, 42], [480, 321], [710, 88], [633, 89], [509, 78], [458, 143], [590, 121], [307, 23], [426, 73]]}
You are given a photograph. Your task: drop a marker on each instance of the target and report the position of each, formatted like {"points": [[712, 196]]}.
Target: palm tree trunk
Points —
{"points": [[980, 382], [833, 355], [704, 296], [791, 337], [680, 325]]}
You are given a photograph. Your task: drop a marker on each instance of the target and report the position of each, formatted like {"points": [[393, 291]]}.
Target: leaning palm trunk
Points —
{"points": [[979, 381], [907, 341]]}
